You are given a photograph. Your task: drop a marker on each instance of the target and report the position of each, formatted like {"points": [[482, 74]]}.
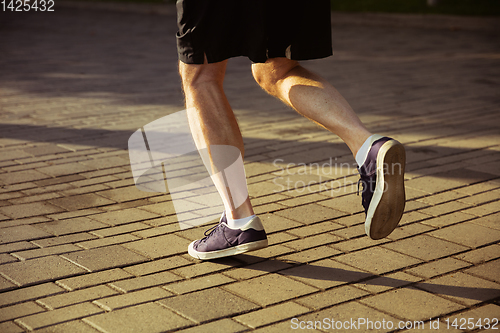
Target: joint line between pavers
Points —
{"points": [[10, 279], [77, 264]]}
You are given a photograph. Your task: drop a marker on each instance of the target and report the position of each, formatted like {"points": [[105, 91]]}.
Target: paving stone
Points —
{"points": [[310, 213], [468, 234], [206, 267], [377, 260], [481, 255], [274, 223], [54, 241], [10, 327], [48, 318], [145, 281], [411, 304], [271, 314], [488, 270], [124, 194], [29, 209], [357, 244], [445, 208], [200, 283], [29, 293], [20, 233], [425, 247], [331, 297], [122, 229], [161, 246], [93, 279], [47, 268], [315, 229], [144, 318], [157, 265], [380, 284], [310, 255], [491, 221], [219, 326], [448, 219], [6, 284], [482, 210], [345, 317], [64, 169], [256, 269], [462, 288], [107, 241], [132, 298], [124, 216], [19, 310], [208, 304], [82, 201], [58, 249], [281, 327], [75, 326], [157, 231], [437, 267], [270, 289], [313, 241], [105, 257], [74, 297], [22, 177]]}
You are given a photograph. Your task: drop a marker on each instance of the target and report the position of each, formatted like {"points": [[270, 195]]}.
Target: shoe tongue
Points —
{"points": [[223, 217]]}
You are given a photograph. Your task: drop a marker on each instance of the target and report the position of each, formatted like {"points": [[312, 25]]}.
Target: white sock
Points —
{"points": [[365, 148], [239, 223]]}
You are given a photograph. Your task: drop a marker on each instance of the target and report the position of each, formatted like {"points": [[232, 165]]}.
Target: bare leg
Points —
{"points": [[210, 116], [313, 97]]}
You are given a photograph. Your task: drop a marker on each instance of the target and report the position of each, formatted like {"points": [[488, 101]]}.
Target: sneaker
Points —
{"points": [[383, 194], [222, 241]]}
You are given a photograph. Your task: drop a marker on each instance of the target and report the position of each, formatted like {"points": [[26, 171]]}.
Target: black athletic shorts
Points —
{"points": [[257, 29]]}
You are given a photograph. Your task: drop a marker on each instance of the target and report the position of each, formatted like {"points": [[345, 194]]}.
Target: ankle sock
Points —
{"points": [[365, 148], [238, 223]]}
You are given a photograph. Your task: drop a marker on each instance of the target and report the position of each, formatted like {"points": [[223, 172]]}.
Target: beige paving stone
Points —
{"points": [[122, 229], [218, 326], [491, 221], [76, 213], [325, 274], [48, 318], [271, 314], [6, 284], [124, 216], [274, 223], [105, 257], [482, 210], [331, 297], [10, 178], [36, 253], [481, 198], [144, 318], [70, 226], [387, 282], [463, 288], [132, 298], [346, 317], [157, 231], [479, 188], [477, 318], [145, 281], [481, 255], [300, 200], [443, 197], [280, 237], [200, 283], [75, 297], [60, 240], [267, 252], [161, 246], [350, 220], [437, 267], [310, 213], [75, 326], [314, 229], [409, 230], [448, 219], [10, 327], [265, 209], [47, 268], [257, 269], [313, 241], [93, 279], [377, 260], [157, 266], [411, 217], [310, 255], [489, 270], [284, 326], [468, 234], [433, 184], [206, 267], [270, 289], [81, 201], [18, 246], [21, 233], [208, 304], [425, 247], [118, 239], [351, 232], [411, 304], [358, 243], [350, 204], [29, 293], [64, 169], [6, 258], [19, 310], [445, 208]]}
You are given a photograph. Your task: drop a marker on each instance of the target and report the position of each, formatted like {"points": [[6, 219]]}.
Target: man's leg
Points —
{"points": [[381, 160]]}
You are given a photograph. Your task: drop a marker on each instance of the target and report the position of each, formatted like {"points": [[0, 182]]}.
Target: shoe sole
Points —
{"points": [[388, 201], [232, 251]]}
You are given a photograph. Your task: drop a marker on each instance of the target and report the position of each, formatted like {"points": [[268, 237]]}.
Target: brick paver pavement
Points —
{"points": [[83, 250]]}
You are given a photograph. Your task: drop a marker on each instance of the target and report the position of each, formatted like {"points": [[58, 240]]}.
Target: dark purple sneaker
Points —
{"points": [[222, 241], [383, 195]]}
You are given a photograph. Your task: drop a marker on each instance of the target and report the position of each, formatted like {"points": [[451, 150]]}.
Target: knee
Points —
{"points": [[269, 74], [196, 76]]}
